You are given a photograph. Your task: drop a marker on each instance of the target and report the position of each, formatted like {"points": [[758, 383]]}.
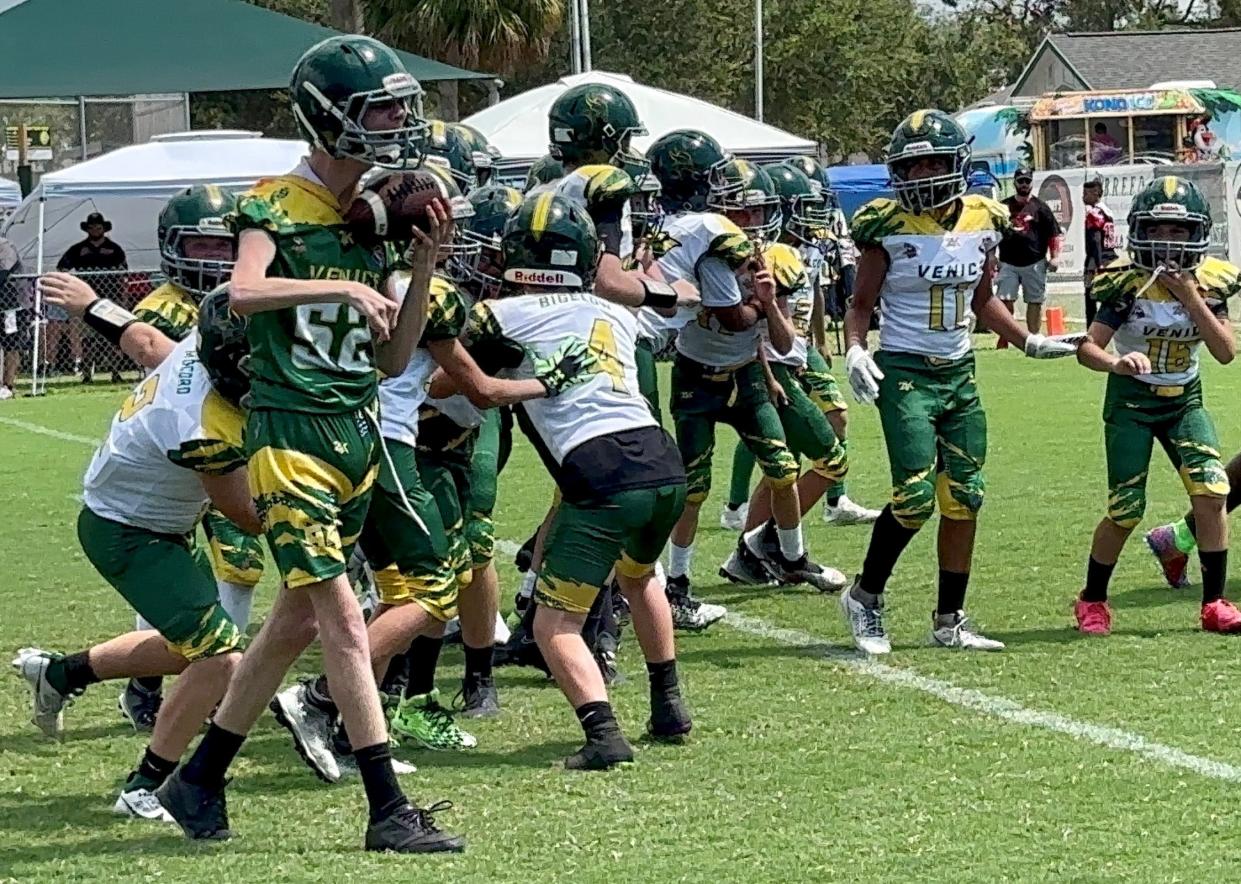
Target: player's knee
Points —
{"points": [[833, 466], [780, 467], [959, 500], [1206, 479], [202, 632], [913, 501], [1125, 508]]}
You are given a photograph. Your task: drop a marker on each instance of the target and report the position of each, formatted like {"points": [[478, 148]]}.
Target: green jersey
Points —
{"points": [[315, 358]]}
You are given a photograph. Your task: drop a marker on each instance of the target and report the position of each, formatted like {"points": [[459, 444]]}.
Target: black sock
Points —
{"points": [[383, 793], [152, 684], [951, 591], [154, 768], [1098, 575], [597, 720], [1214, 573], [211, 760], [424, 657], [834, 499], [478, 662], [1192, 525], [319, 696], [888, 540], [72, 674], [663, 677]]}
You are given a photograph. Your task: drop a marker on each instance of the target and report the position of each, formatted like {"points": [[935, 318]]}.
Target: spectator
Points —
{"points": [[94, 254], [1104, 149], [1100, 227], [14, 316], [1031, 250]]}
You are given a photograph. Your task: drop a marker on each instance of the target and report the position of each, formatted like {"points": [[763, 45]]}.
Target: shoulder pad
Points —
{"points": [[1219, 278]]}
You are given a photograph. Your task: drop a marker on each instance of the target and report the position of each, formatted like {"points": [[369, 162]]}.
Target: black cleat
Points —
{"points": [[605, 656], [687, 612], [479, 698], [412, 830], [525, 556], [601, 754], [669, 718], [140, 706], [201, 813]]}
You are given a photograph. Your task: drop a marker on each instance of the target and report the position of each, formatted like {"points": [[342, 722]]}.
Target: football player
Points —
{"points": [[196, 256], [319, 327], [447, 148], [622, 482], [174, 446], [1158, 310], [486, 154], [544, 170], [717, 376], [927, 258]]}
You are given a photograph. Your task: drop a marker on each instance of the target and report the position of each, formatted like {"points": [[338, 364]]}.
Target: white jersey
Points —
{"points": [[925, 302], [1148, 319], [457, 408], [401, 396], [529, 327], [706, 249], [173, 427], [590, 186], [795, 282]]}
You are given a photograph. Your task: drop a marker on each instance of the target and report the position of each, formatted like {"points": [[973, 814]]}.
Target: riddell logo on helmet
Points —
{"points": [[541, 277]]}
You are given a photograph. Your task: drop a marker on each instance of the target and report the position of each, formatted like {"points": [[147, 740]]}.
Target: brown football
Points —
{"points": [[392, 203]]}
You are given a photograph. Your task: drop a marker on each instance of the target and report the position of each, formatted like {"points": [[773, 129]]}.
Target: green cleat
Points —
{"points": [[425, 721]]}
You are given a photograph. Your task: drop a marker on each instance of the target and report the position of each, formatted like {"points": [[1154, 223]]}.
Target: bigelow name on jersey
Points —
{"points": [[173, 427], [609, 402]]}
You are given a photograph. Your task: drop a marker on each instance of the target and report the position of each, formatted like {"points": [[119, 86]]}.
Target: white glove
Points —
{"points": [[864, 374], [1053, 346]]}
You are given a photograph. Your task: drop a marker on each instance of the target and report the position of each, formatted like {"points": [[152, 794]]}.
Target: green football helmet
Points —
{"points": [[493, 205], [223, 348], [197, 213], [550, 242], [337, 82], [545, 169], [923, 134], [486, 154], [805, 213], [749, 199], [808, 166], [644, 210], [447, 148], [689, 165], [1169, 200], [593, 123]]}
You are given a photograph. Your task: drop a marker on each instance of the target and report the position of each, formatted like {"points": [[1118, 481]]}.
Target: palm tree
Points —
{"points": [[498, 36]]}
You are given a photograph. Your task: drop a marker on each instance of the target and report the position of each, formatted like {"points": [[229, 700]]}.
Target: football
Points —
{"points": [[392, 204]]}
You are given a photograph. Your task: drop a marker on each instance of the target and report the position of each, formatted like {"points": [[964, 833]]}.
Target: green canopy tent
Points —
{"points": [[72, 48]]}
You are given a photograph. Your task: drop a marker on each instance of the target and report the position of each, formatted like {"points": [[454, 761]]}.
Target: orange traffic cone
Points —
{"points": [[1055, 320]]}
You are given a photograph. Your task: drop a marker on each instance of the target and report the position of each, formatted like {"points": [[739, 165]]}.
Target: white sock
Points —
{"points": [[790, 542], [236, 600], [527, 584], [679, 559], [142, 624]]}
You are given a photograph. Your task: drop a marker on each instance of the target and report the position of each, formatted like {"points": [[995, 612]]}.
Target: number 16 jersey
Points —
{"points": [[934, 265]]}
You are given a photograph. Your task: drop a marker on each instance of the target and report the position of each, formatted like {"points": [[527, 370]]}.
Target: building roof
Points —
{"points": [[1136, 59]]}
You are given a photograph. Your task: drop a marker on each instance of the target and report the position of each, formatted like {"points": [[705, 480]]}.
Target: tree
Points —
{"points": [[498, 36]]}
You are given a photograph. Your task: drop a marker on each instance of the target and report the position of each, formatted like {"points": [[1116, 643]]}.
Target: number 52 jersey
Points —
{"points": [[933, 269], [173, 427]]}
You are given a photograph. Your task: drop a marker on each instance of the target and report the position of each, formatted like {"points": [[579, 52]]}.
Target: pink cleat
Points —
{"points": [[1173, 562], [1094, 618], [1221, 615]]}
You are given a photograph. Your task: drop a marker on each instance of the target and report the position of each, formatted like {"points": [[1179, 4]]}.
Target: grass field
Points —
{"points": [[1062, 758]]}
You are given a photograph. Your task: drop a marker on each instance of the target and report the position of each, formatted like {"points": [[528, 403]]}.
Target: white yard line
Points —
{"points": [[966, 698]]}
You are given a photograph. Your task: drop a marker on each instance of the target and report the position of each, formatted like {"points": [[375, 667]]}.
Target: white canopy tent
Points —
{"points": [[518, 125], [10, 194], [129, 187]]}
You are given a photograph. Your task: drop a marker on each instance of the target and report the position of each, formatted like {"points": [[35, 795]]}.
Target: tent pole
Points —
{"points": [[82, 123], [758, 60], [35, 362], [188, 124], [575, 35], [587, 64]]}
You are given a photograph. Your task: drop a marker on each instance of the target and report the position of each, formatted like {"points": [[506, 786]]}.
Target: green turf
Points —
{"points": [[799, 769]]}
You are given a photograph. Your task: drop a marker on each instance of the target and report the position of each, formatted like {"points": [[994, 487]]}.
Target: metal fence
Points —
{"points": [[56, 348]]}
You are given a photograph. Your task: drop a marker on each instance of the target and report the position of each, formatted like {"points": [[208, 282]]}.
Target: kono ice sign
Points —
{"points": [[1119, 104]]}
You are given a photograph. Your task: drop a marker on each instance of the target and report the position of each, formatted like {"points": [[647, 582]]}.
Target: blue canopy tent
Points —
{"points": [[857, 185]]}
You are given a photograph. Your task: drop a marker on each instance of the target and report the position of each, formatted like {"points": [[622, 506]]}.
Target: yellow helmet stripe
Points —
{"points": [[542, 214], [917, 119], [215, 194], [1170, 183]]}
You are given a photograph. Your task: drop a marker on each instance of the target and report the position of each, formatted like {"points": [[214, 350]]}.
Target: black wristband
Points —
{"points": [[658, 294], [109, 319]]}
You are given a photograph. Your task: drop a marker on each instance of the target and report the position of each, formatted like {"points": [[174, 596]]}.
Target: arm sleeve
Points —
{"points": [[607, 215]]}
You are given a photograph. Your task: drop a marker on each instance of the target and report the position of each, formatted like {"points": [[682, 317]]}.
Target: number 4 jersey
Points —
{"points": [[1148, 319], [933, 269], [171, 428]]}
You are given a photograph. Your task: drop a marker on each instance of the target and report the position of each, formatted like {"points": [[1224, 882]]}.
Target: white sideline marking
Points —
{"points": [[48, 431], [966, 698]]}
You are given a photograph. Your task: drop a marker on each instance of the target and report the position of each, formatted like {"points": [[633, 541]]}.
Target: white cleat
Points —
{"points": [[734, 519], [47, 702], [349, 767], [954, 634], [866, 624], [311, 729], [141, 804], [846, 512]]}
